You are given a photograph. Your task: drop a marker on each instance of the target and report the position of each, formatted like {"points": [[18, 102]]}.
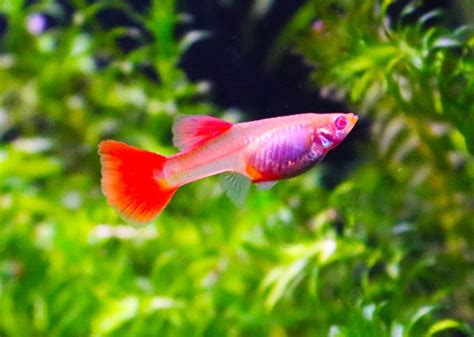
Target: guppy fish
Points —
{"points": [[139, 183]]}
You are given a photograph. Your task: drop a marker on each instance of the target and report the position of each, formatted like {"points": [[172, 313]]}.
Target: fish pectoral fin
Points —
{"points": [[266, 185], [236, 186]]}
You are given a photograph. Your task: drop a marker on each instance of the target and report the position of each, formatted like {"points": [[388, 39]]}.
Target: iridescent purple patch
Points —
{"points": [[287, 154]]}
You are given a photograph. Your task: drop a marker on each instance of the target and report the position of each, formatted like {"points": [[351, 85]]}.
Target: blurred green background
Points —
{"points": [[378, 240]]}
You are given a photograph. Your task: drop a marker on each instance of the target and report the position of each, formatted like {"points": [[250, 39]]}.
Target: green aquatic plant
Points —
{"points": [[387, 251]]}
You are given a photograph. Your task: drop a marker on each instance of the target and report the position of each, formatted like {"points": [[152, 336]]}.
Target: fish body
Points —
{"points": [[139, 184]]}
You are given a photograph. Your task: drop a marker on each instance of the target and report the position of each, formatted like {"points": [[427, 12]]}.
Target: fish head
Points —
{"points": [[331, 129]]}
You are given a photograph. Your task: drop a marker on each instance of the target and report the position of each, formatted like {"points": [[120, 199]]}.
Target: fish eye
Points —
{"points": [[340, 122]]}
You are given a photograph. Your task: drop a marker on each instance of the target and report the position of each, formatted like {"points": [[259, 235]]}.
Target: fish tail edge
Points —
{"points": [[130, 181]]}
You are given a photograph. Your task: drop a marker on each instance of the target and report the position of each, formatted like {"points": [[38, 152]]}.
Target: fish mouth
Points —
{"points": [[353, 118]]}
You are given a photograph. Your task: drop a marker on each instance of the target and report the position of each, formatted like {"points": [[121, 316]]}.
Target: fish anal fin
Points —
{"points": [[190, 131], [236, 186], [265, 185]]}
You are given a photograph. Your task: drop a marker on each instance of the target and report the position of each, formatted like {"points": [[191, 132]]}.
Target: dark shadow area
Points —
{"points": [[233, 60]]}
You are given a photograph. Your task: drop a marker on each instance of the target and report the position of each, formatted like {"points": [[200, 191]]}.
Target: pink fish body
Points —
{"points": [[139, 184]]}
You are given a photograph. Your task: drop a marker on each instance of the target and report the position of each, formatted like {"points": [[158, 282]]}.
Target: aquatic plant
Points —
{"points": [[387, 251]]}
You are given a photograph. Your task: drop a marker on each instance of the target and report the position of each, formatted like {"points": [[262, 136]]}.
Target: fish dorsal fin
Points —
{"points": [[266, 185], [236, 186], [190, 131]]}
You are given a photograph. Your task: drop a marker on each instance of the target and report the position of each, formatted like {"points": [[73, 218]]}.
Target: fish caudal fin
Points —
{"points": [[130, 183]]}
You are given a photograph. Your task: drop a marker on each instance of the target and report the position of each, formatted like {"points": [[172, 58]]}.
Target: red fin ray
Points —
{"points": [[129, 181], [190, 131]]}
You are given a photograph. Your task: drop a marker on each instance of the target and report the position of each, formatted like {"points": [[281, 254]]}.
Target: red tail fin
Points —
{"points": [[129, 181]]}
